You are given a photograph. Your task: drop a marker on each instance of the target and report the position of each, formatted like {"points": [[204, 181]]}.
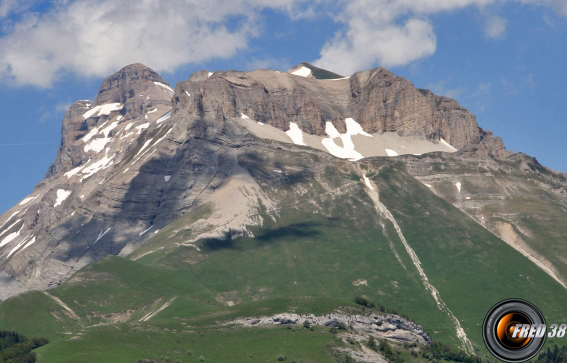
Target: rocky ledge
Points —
{"points": [[379, 326]]}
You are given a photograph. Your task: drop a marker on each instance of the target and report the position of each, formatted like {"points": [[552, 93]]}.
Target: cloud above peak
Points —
{"points": [[96, 37], [386, 32], [92, 38]]}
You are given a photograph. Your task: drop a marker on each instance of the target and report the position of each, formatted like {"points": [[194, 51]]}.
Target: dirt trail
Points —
{"points": [[372, 190], [72, 314]]}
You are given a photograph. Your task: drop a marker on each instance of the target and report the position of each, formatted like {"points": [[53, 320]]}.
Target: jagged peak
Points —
{"points": [[306, 69], [124, 83]]}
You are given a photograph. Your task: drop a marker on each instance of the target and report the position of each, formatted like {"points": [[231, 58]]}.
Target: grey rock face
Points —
{"points": [[142, 155]]}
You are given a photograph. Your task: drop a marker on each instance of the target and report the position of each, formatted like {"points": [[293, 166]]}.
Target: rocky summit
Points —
{"points": [[141, 155], [235, 188]]}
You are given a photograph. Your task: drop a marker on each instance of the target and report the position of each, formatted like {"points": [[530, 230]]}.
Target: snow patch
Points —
{"points": [[367, 181], [7, 220], [295, 134], [347, 151], [90, 134], [447, 144], [260, 123], [9, 238], [74, 171], [152, 111], [102, 110], [354, 128], [62, 194], [164, 86], [391, 152], [458, 185], [31, 242], [20, 245], [100, 235], [144, 146], [164, 117], [167, 177], [103, 163], [187, 93], [243, 116], [427, 185], [97, 145], [144, 231], [142, 127], [27, 200], [302, 72], [210, 74]]}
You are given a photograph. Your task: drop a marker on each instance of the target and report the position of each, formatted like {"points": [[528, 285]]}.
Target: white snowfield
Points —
{"points": [[9, 238], [105, 109], [353, 145], [294, 133], [97, 145], [7, 220], [167, 116], [302, 72], [27, 243], [447, 144], [142, 127], [367, 181], [62, 194], [391, 152], [27, 200], [97, 166], [169, 89]]}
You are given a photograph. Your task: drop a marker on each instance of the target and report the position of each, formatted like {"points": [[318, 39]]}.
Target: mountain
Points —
{"points": [[241, 194]]}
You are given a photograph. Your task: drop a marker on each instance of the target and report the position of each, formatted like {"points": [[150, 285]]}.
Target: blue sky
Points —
{"points": [[504, 60]]}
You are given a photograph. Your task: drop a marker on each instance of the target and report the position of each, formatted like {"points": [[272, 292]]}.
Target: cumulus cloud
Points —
{"points": [[397, 32], [387, 32], [96, 37], [495, 27]]}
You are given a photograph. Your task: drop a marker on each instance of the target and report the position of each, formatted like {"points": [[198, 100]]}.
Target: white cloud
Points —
{"points": [[387, 32], [397, 32], [8, 7], [96, 37], [560, 6], [367, 42], [495, 27]]}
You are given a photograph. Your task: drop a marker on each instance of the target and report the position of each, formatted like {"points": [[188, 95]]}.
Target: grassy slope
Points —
{"points": [[318, 244], [471, 268]]}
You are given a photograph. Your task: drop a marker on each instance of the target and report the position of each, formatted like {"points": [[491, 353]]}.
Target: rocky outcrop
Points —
{"points": [[380, 326]]}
